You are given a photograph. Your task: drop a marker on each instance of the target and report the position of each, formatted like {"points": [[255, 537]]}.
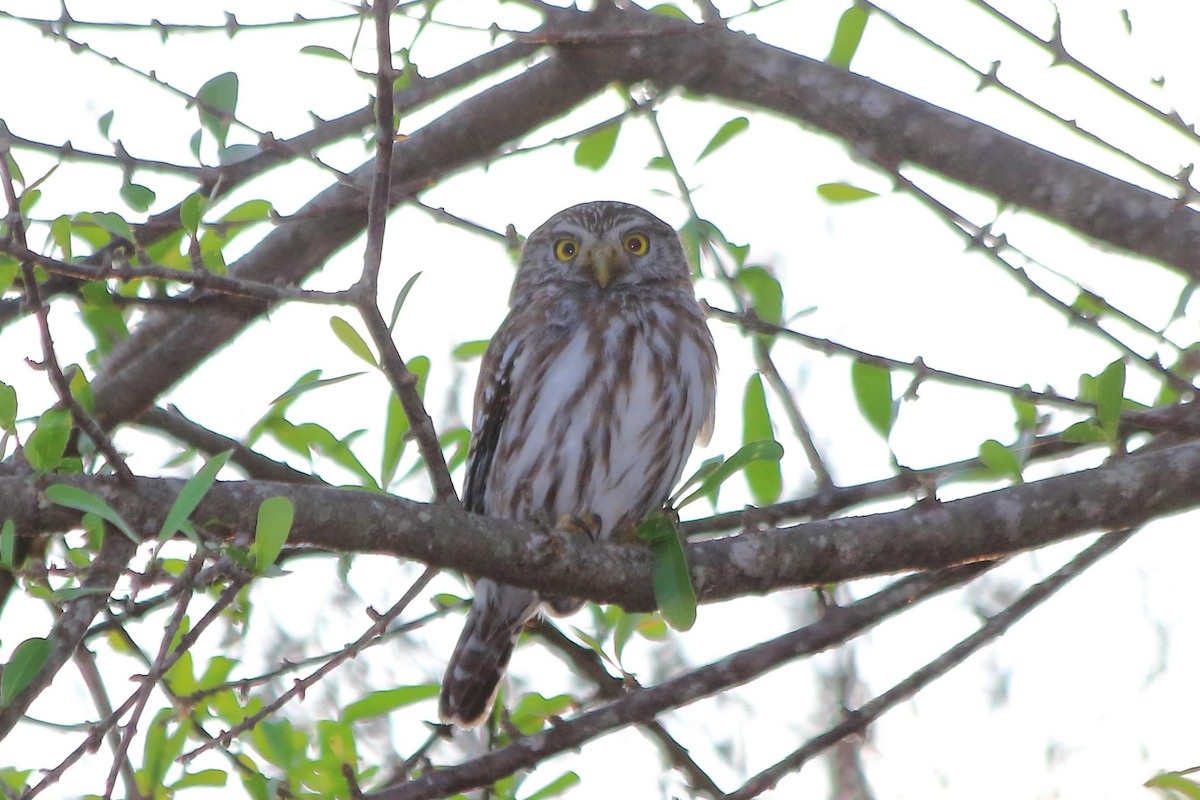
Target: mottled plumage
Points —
{"points": [[590, 396]]}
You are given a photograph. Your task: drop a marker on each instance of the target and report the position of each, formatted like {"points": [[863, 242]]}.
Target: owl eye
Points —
{"points": [[565, 249], [636, 243]]}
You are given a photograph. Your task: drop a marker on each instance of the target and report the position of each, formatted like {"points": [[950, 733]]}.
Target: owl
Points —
{"points": [[590, 397]]}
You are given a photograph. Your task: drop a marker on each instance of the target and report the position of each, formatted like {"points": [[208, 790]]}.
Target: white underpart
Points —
{"points": [[562, 421]]}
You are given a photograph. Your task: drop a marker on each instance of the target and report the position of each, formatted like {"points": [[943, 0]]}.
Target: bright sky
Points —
{"points": [[1085, 698]]}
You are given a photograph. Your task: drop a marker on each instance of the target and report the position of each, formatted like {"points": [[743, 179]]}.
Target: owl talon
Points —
{"points": [[586, 524]]}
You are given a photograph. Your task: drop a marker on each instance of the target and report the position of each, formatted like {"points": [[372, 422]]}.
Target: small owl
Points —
{"points": [[590, 397]]}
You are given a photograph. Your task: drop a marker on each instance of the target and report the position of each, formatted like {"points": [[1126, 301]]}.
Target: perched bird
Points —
{"points": [[590, 397]]}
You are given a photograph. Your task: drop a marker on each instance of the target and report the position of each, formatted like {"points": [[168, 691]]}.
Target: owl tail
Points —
{"points": [[481, 656]]}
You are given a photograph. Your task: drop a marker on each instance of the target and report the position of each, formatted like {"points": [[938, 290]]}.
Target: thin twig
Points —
{"points": [[301, 685], [991, 630]]}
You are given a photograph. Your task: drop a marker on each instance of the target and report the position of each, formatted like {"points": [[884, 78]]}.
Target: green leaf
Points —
{"points": [[8, 272], [137, 196], [23, 667], [376, 704], [594, 150], [844, 193], [1110, 397], [670, 10], [395, 430], [8, 407], [350, 337], [115, 224], [191, 494], [73, 497], [81, 389], [1000, 460], [13, 169], [556, 787], [673, 592], [191, 211], [270, 534], [1176, 784], [45, 446], [205, 777], [469, 350], [326, 52], [533, 710], [766, 295], [60, 232], [28, 200], [236, 153], [400, 298], [763, 476], [767, 449], [873, 393], [217, 103], [1027, 416], [723, 135], [8, 544], [105, 123], [1085, 432], [848, 36]]}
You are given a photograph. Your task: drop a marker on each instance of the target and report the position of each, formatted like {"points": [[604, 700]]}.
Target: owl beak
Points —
{"points": [[605, 260]]}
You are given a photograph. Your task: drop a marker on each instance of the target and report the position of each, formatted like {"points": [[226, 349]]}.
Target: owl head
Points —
{"points": [[601, 247]]}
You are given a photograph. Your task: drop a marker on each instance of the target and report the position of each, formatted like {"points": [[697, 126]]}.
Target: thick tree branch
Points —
{"points": [[930, 535]]}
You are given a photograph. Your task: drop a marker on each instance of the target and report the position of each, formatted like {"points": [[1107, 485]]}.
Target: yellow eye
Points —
{"points": [[565, 249], [636, 243]]}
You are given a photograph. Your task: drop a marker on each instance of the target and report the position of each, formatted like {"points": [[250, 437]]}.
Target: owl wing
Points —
{"points": [[491, 409]]}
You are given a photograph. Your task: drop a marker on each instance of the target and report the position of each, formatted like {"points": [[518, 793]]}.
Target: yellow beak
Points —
{"points": [[605, 260]]}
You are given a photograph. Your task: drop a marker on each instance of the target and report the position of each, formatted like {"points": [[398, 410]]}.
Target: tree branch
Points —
{"points": [[835, 627], [930, 535]]}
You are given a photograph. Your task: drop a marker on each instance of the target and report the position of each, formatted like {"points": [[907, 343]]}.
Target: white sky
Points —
{"points": [[1096, 686]]}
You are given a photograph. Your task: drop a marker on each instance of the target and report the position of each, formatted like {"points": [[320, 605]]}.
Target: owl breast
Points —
{"points": [[620, 399]]}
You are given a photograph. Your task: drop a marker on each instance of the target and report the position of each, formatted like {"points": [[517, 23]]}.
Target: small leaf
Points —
{"points": [[115, 224], [400, 298], [723, 135], [350, 337], [376, 704], [60, 232], [270, 534], [205, 777], [469, 350], [873, 393], [8, 272], [326, 52], [191, 211], [137, 197], [670, 10], [763, 476], [73, 497], [765, 293], [556, 787], [1110, 391], [1000, 460], [8, 544], [594, 150], [769, 450], [217, 101], [848, 36], [534, 709], [1176, 784], [105, 123], [45, 446], [1027, 416], [8, 407], [191, 494], [23, 667], [708, 467], [673, 591], [81, 389], [1085, 432], [236, 153], [844, 193], [395, 438]]}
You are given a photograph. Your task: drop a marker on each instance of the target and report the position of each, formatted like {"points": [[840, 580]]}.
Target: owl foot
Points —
{"points": [[587, 524]]}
